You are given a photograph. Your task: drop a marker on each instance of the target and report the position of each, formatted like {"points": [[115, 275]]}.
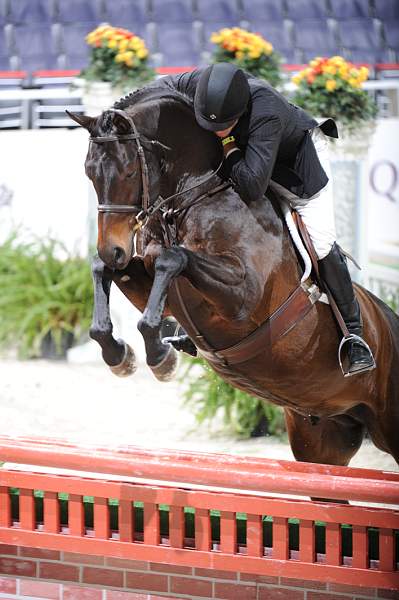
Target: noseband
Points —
{"points": [[145, 210]]}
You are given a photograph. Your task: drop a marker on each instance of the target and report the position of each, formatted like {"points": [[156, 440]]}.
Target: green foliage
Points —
{"points": [[207, 394], [42, 293]]}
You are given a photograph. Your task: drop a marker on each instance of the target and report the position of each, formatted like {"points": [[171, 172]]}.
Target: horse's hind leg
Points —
{"points": [[332, 441], [161, 358], [116, 353]]}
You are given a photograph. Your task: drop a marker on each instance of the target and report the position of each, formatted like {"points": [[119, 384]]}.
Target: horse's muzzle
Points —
{"points": [[114, 257]]}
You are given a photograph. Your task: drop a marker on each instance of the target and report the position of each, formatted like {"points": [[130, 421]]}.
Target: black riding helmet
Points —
{"points": [[221, 96]]}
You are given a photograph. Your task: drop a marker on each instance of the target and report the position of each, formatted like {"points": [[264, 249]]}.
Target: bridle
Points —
{"points": [[144, 211]]}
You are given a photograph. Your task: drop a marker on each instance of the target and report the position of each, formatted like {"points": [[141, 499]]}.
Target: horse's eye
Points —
{"points": [[132, 174]]}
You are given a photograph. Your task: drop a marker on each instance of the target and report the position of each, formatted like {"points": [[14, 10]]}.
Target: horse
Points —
{"points": [[178, 240]]}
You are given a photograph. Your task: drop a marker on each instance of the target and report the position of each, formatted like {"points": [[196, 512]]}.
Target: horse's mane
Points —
{"points": [[149, 93]]}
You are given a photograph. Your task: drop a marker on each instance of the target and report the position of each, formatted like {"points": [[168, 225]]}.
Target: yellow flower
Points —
{"points": [[123, 45], [331, 84], [142, 53], [135, 43], [268, 48], [363, 73], [112, 43], [296, 79], [240, 55], [330, 69], [254, 54]]}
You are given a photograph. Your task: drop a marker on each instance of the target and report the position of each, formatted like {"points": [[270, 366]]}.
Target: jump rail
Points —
{"points": [[202, 510]]}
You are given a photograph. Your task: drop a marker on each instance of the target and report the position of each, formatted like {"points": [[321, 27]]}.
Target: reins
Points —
{"points": [[146, 209]]}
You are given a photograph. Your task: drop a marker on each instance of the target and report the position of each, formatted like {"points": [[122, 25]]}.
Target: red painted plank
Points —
{"points": [[51, 511], [5, 507], [126, 520], [101, 518], [321, 480], [307, 545], [40, 449], [56, 73], [254, 535], [76, 517], [228, 532], [333, 544], [27, 519], [360, 550], [13, 74], [387, 550], [176, 526], [280, 538], [151, 524], [203, 539]]}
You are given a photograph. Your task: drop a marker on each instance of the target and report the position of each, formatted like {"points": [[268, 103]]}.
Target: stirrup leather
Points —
{"points": [[359, 340]]}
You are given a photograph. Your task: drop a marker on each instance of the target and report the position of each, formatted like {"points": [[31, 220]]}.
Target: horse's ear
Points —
{"points": [[122, 124], [82, 120]]}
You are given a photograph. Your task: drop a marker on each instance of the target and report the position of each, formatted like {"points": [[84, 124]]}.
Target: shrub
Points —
{"points": [[46, 291], [208, 395]]}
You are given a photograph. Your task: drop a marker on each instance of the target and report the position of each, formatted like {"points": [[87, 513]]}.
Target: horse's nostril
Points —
{"points": [[119, 255]]}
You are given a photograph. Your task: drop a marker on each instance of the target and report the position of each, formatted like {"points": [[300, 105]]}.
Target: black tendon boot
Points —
{"points": [[334, 272]]}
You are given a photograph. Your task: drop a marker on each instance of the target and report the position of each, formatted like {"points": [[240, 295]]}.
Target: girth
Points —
{"points": [[277, 325]]}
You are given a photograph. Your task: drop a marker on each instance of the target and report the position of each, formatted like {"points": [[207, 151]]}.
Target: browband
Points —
{"points": [[118, 208], [115, 138]]}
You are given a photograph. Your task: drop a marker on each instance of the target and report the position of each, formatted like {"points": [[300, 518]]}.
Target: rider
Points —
{"points": [[267, 141]]}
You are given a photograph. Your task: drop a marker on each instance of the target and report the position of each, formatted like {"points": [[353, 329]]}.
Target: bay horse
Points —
{"points": [[221, 268]]}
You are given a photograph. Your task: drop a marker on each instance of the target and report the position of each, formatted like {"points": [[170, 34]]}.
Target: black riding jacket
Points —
{"points": [[274, 138]]}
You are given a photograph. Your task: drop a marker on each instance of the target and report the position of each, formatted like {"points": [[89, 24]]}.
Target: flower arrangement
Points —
{"points": [[331, 87], [247, 50], [118, 56]]}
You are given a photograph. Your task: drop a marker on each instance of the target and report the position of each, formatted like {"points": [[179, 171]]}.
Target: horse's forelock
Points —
{"points": [[105, 123]]}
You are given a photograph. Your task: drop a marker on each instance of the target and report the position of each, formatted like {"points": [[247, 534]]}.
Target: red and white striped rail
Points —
{"points": [[237, 488]]}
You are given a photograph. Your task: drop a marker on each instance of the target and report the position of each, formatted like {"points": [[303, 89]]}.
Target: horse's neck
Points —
{"points": [[194, 152]]}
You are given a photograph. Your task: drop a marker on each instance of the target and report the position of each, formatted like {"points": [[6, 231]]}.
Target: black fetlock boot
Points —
{"points": [[334, 272]]}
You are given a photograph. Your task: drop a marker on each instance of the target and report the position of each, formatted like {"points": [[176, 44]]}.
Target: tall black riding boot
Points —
{"points": [[334, 272]]}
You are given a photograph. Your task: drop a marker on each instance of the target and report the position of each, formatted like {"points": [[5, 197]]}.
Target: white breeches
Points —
{"points": [[317, 212]]}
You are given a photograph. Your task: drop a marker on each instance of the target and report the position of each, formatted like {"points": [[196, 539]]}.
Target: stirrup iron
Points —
{"points": [[359, 340]]}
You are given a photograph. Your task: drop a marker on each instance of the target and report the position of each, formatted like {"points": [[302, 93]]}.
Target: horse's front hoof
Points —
{"points": [[128, 365], [166, 370]]}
